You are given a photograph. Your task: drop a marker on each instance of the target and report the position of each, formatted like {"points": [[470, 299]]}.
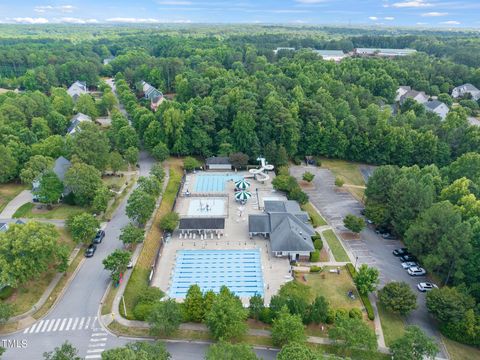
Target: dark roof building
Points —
{"points": [[192, 224], [218, 163], [76, 120]]}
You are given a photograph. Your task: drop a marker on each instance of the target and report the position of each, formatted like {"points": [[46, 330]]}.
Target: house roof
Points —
{"points": [[61, 166], [151, 92], [77, 88], [259, 223], [202, 224], [281, 206], [467, 87], [330, 52], [433, 104], [217, 160], [76, 120]]}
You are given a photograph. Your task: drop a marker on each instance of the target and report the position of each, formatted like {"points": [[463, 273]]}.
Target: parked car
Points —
{"points": [[400, 252], [408, 258], [388, 236], [130, 264], [416, 271], [409, 264], [381, 230], [90, 251], [426, 286], [369, 222], [99, 237]]}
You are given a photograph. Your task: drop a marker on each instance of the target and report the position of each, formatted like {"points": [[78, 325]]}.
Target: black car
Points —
{"points": [[99, 237], [400, 252], [388, 236], [408, 257], [90, 250]]}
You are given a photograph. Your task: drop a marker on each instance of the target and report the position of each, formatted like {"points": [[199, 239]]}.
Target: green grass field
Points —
{"points": [[59, 211], [338, 251], [459, 351], [316, 219], [392, 324], [349, 172]]}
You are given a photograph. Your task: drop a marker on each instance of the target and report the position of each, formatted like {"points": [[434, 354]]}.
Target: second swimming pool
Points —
{"points": [[214, 183]]}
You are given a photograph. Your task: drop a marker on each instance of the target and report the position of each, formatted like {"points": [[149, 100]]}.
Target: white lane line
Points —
{"points": [[96, 356], [26, 330], [87, 323], [98, 340], [95, 351], [99, 334], [45, 326], [51, 325], [56, 325], [39, 326], [80, 326], [33, 327], [63, 324], [69, 324], [93, 322], [96, 345], [74, 326]]}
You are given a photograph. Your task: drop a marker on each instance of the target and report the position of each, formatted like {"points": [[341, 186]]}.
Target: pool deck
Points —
{"points": [[276, 271]]}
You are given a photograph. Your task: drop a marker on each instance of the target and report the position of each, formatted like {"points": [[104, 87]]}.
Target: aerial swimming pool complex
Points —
{"points": [[239, 270], [214, 183]]}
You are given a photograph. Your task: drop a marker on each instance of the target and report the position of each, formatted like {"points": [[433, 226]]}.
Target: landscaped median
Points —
{"points": [[316, 219], [335, 246]]}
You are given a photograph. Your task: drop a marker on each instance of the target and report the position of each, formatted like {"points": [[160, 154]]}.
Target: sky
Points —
{"points": [[421, 13]]}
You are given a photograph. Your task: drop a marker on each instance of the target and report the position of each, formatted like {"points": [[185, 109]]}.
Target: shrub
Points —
{"points": [[315, 269], [308, 176], [283, 170], [142, 311], [315, 256], [169, 222], [355, 313], [298, 194], [6, 292], [318, 244], [190, 163], [296, 160], [341, 314], [365, 299], [330, 316], [266, 315], [150, 295], [339, 182]]}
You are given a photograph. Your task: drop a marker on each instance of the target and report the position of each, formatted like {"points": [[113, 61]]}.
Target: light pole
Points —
{"points": [[258, 200], [356, 259]]}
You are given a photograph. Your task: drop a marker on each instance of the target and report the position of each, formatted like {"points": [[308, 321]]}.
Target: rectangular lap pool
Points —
{"points": [[214, 183], [239, 270]]}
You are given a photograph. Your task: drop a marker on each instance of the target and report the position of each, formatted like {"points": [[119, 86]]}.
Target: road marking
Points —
{"points": [[100, 334], [93, 322], [80, 326], [97, 345], [87, 323], [98, 340], [51, 325], [74, 326], [69, 324], [56, 325], [95, 351], [63, 324], [96, 356], [39, 326], [45, 325], [33, 327]]}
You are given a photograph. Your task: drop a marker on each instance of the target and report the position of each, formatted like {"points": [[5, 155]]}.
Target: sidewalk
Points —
{"points": [[24, 197]]}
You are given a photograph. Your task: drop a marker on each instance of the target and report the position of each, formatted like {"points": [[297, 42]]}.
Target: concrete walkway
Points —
{"points": [[24, 197]]}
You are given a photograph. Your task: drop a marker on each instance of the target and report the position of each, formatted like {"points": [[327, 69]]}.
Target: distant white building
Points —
{"points": [[384, 52], [461, 90], [107, 60], [218, 163], [76, 89], [437, 107], [283, 48], [331, 55], [75, 122], [405, 92]]}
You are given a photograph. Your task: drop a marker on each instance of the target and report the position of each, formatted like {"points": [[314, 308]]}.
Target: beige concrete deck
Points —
{"points": [[276, 271]]}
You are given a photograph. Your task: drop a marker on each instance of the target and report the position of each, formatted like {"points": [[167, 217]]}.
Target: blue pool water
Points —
{"points": [[239, 270], [214, 183]]}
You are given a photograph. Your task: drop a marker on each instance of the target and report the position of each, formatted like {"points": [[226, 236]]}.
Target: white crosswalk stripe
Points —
{"points": [[97, 344], [66, 324], [96, 356]]}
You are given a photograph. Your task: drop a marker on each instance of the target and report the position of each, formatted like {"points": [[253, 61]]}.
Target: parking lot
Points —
{"points": [[371, 248]]}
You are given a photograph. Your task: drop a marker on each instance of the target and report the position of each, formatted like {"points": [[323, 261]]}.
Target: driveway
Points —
{"points": [[24, 197], [371, 249]]}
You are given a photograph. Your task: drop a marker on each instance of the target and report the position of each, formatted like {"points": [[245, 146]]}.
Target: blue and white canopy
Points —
{"points": [[242, 184], [243, 195]]}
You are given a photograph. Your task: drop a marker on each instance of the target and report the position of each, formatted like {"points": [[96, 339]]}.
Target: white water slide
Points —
{"points": [[259, 174]]}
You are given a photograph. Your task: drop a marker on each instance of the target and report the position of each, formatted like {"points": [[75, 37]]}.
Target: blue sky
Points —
{"points": [[424, 13]]}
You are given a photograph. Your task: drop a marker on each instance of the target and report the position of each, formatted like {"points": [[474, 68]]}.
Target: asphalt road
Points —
{"points": [[371, 249]]}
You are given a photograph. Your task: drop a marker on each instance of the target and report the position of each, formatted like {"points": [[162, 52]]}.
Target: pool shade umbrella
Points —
{"points": [[243, 195], [242, 184]]}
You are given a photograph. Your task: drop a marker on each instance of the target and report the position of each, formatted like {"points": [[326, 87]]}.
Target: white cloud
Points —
{"points": [[412, 4], [29, 20], [49, 8], [450, 22], [71, 20], [434, 14], [133, 20], [389, 18], [422, 23], [174, 2], [374, 18]]}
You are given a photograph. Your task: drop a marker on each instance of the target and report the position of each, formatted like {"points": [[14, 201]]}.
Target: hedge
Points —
{"points": [[365, 299], [315, 268]]}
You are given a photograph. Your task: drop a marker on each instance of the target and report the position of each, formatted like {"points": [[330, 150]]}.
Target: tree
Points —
{"points": [[86, 105], [398, 297], [353, 333], [35, 166], [50, 189], [157, 171], [308, 176], [287, 328], [239, 160], [140, 206], [448, 305], [101, 199], [169, 222], [116, 161], [160, 152], [193, 304], [8, 165], [108, 100], [6, 312], [35, 247], [150, 184], [91, 145], [83, 227], [226, 351], [319, 310], [65, 352], [131, 155], [190, 163], [57, 123], [413, 345], [140, 350], [256, 306], [117, 263], [165, 318], [226, 318], [131, 234], [366, 279], [84, 181], [354, 223], [297, 351]]}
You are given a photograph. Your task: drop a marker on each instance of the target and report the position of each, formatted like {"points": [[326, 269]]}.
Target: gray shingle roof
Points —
{"points": [[61, 167], [259, 223], [433, 104], [217, 160], [202, 224], [76, 120]]}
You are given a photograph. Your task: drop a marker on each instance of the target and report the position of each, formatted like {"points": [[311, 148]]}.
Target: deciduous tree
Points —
{"points": [[165, 317], [366, 279], [83, 227], [287, 328], [227, 351], [398, 297], [413, 345]]}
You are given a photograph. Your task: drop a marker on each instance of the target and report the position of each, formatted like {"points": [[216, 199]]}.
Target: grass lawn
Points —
{"points": [[59, 211], [8, 192], [114, 182], [392, 324], [333, 287], [338, 251], [349, 172], [459, 351], [315, 217], [349, 354]]}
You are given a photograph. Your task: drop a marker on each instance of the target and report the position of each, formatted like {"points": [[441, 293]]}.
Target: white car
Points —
{"points": [[416, 271], [409, 264], [426, 286]]}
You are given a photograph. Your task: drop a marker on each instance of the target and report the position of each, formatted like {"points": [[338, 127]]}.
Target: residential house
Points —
{"points": [[75, 122], [108, 60], [287, 227], [60, 168], [383, 52], [218, 163], [151, 93], [331, 55], [76, 89], [438, 107], [461, 90], [418, 96]]}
